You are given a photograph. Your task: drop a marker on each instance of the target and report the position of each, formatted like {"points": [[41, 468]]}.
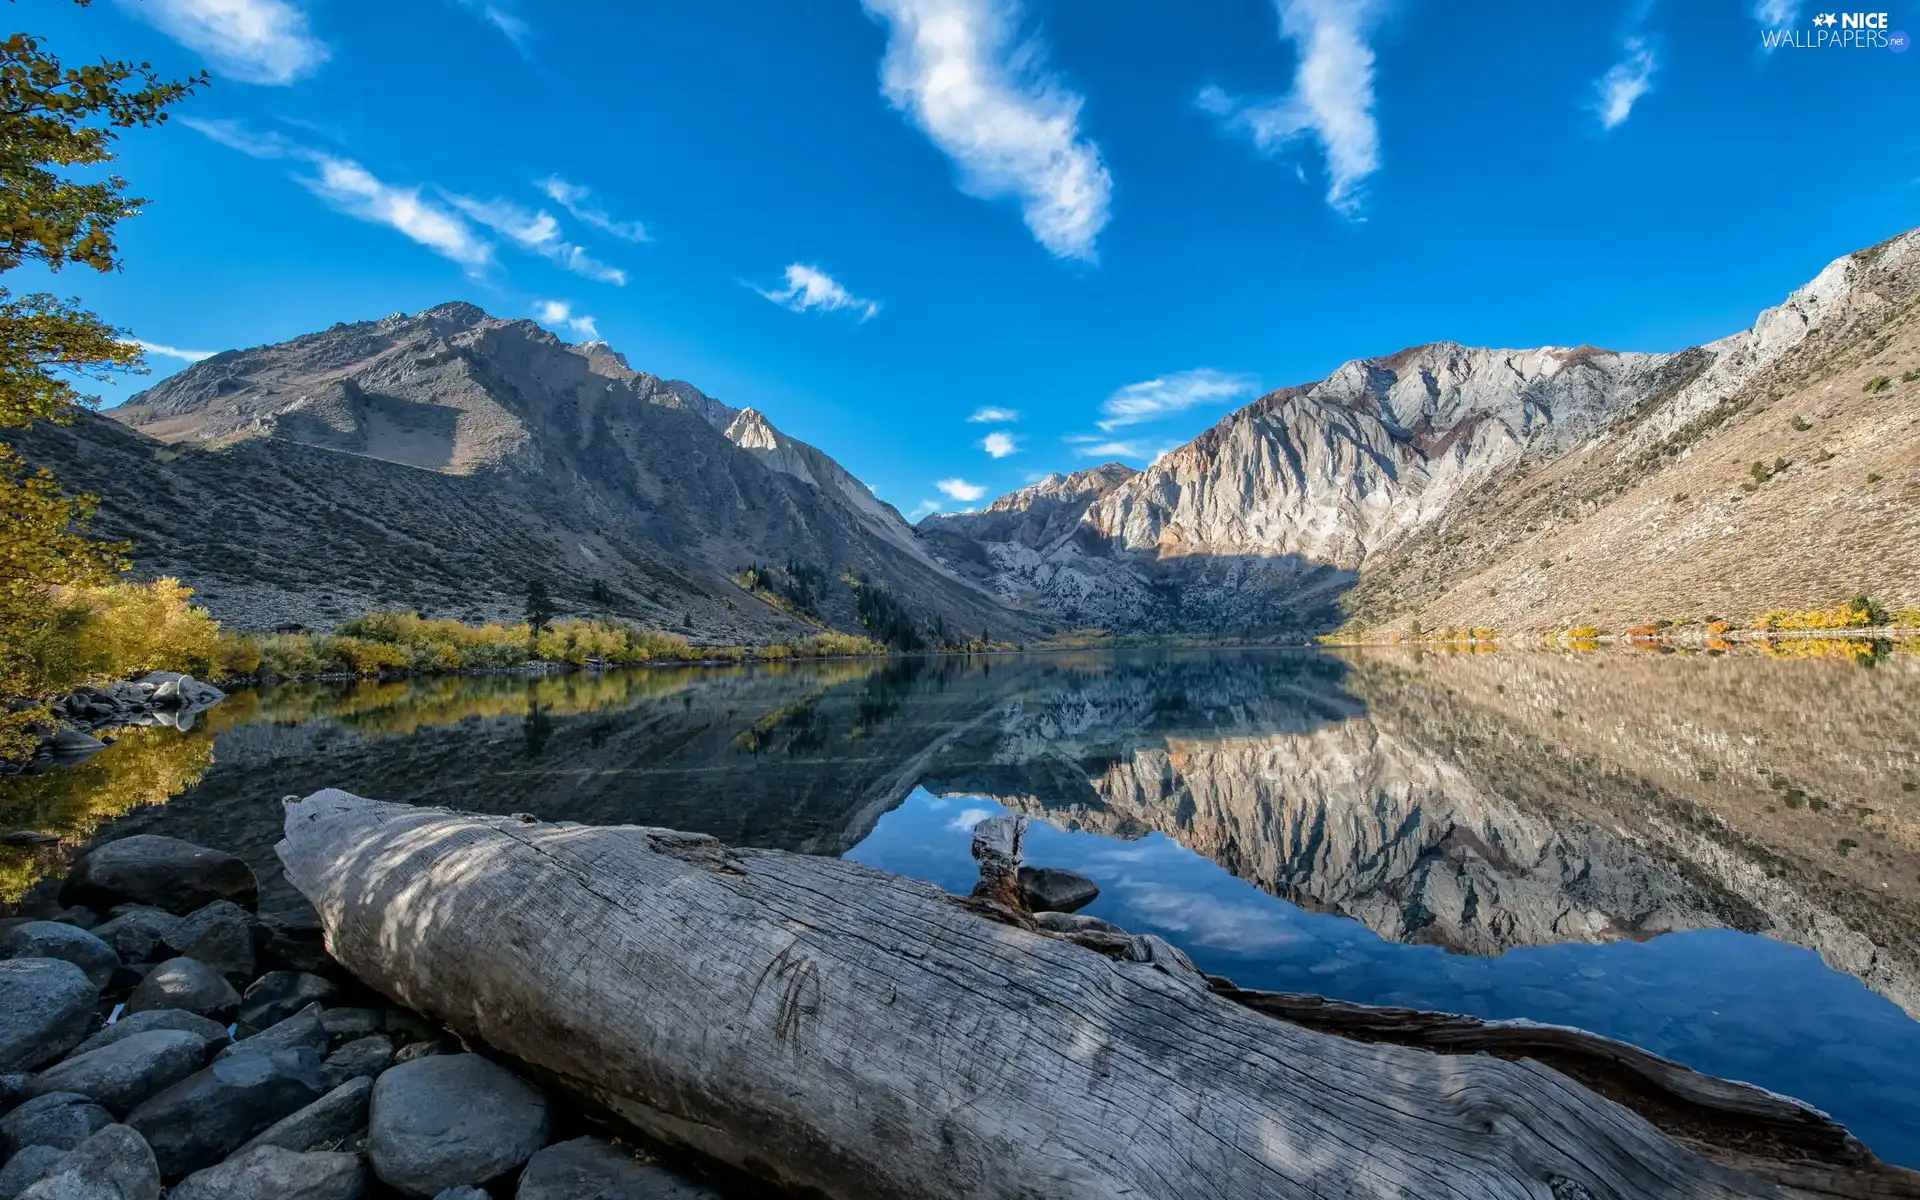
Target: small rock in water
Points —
{"points": [[122, 1074], [587, 1166], [276, 1173], [113, 1164], [206, 1116], [50, 939], [27, 1168], [69, 744], [29, 837], [46, 1005], [60, 1119], [129, 1024], [277, 995], [301, 1031], [186, 983], [219, 935], [1053, 889], [364, 1058], [162, 871], [330, 1119], [452, 1119]]}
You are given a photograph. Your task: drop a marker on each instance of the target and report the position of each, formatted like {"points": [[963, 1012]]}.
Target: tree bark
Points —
{"points": [[829, 1027]]}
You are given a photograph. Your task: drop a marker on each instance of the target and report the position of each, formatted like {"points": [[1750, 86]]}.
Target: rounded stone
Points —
{"points": [[51, 939], [46, 1005], [452, 1120], [155, 1018], [113, 1164], [162, 871], [123, 1073], [275, 1173], [62, 1119], [189, 984]]}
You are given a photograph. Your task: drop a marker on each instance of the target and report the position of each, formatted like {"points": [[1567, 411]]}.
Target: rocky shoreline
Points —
{"points": [[158, 698], [159, 1035]]}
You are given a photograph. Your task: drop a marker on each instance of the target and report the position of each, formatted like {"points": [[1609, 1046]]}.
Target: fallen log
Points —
{"points": [[840, 1031]]}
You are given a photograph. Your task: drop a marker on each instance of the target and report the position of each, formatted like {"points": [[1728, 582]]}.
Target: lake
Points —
{"points": [[1715, 856]]}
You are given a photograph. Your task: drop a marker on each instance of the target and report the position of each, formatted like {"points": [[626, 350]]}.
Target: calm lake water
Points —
{"points": [[1715, 857]]}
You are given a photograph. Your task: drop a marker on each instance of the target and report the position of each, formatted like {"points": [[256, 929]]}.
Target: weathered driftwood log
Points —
{"points": [[831, 1027]]}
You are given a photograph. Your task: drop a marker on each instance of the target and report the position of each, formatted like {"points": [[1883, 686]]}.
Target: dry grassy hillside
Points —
{"points": [[1800, 490]]}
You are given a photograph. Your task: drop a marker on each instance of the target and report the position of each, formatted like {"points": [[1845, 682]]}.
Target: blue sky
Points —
{"points": [[1110, 221]]}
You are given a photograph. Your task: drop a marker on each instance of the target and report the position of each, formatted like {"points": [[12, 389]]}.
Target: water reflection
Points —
{"points": [[1298, 819]]}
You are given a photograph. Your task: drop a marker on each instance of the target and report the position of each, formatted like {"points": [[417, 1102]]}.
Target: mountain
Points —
{"points": [[1528, 490], [441, 460]]}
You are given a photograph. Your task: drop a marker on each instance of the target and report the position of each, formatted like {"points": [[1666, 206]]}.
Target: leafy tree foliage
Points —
{"points": [[540, 609]]}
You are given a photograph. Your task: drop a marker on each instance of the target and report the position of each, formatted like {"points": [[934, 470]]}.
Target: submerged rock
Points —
{"points": [[450, 1120]]}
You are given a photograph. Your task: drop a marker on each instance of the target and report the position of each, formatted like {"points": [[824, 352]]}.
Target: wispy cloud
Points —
{"points": [[253, 41], [191, 356], [1000, 445], [1151, 399], [811, 289], [983, 95], [991, 415], [501, 18], [1625, 82], [961, 490], [1777, 14], [579, 201], [923, 509], [538, 232], [558, 314], [1332, 98], [349, 188], [968, 818], [1112, 448]]}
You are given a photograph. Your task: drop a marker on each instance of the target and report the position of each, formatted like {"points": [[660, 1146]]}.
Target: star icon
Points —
{"points": [[1825, 19]]}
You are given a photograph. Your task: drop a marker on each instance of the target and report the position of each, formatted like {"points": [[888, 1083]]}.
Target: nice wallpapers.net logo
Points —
{"points": [[1839, 31]]}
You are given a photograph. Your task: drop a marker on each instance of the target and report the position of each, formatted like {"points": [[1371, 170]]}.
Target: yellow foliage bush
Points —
{"points": [[1857, 613]]}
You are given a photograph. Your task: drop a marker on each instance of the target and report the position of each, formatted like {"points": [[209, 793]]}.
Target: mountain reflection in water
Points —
{"points": [[1295, 819]]}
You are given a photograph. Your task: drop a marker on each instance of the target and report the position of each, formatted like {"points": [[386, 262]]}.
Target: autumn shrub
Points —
{"points": [[1716, 628], [1644, 631], [1861, 612], [1583, 633], [773, 653]]}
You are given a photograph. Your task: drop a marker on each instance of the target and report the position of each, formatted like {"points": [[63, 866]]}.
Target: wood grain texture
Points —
{"points": [[834, 1028]]}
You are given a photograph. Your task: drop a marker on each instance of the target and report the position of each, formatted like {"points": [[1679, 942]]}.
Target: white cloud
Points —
{"points": [[1088, 447], [1151, 399], [235, 136], [1625, 82], [985, 98], [994, 416], [352, 189], [253, 41], [558, 313], [1777, 14], [516, 30], [1332, 97], [809, 288], [577, 200], [999, 445], [191, 356], [960, 489], [538, 232], [968, 818], [924, 508]]}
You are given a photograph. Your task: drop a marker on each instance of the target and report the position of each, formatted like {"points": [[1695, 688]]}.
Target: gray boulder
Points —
{"points": [[294, 939], [70, 744], [353, 1022], [452, 1119], [140, 933], [219, 935], [588, 1167], [277, 995], [113, 1164], [362, 1058], [162, 871], [326, 1122], [301, 1031], [209, 1114], [50, 939], [27, 1168], [122, 1074], [461, 1193], [188, 984], [129, 1024], [60, 1119], [276, 1173], [1053, 889], [46, 1005]]}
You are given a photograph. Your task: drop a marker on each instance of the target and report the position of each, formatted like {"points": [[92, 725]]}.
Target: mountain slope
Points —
{"points": [[1385, 492], [443, 459]]}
